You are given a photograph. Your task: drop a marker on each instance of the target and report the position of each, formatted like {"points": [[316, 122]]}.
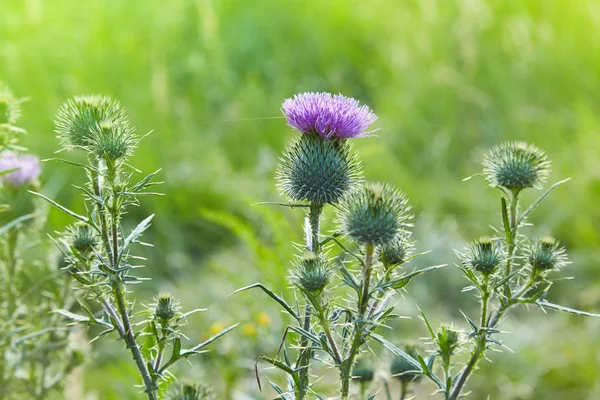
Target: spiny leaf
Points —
{"points": [[544, 303], [273, 296], [62, 208]]}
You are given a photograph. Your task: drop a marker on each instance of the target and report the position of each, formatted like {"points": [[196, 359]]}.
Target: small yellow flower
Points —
{"points": [[263, 319], [249, 329], [216, 328]]}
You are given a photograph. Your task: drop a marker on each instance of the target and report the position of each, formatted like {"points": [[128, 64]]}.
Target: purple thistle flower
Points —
{"points": [[27, 172], [330, 116]]}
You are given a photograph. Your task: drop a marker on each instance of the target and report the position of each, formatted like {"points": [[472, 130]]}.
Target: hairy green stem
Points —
{"points": [[312, 244], [480, 344], [358, 336], [511, 240]]}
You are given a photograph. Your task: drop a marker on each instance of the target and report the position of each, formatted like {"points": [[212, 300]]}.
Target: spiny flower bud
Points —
{"points": [[362, 372], [483, 255], [112, 141], [185, 391], [374, 215], [516, 166], [318, 170], [546, 254], [447, 340], [10, 106], [312, 274], [77, 119], [82, 238], [165, 308], [398, 252], [401, 368]]}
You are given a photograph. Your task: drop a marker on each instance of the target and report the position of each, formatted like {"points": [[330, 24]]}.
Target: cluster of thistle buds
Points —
{"points": [[321, 169], [97, 252]]}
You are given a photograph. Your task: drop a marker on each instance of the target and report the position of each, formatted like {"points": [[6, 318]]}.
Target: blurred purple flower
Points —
{"points": [[27, 172], [331, 116]]}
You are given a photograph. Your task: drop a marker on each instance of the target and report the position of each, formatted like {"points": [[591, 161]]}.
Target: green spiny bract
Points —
{"points": [[318, 170], [362, 372], [447, 339], [398, 252], [312, 274], [78, 118], [82, 238], [516, 166], [185, 391], [166, 307], [402, 369], [112, 141], [10, 106], [374, 215], [483, 255], [546, 254]]}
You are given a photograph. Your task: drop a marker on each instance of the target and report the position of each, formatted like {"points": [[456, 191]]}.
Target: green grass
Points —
{"points": [[448, 80]]}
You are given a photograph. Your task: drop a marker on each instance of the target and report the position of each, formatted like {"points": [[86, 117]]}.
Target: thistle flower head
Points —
{"points": [[483, 255], [318, 171], [186, 391], [166, 308], [329, 116], [82, 238], [546, 254], [399, 251], [312, 274], [26, 166], [10, 106], [516, 166], [362, 372], [402, 369], [374, 215], [78, 119]]}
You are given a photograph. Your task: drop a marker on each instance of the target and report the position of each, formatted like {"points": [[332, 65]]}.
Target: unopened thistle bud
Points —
{"points": [[10, 106], [165, 308], [402, 369], [112, 141], [185, 391], [516, 166], [312, 274], [82, 238], [374, 215], [398, 252], [362, 372], [77, 119], [546, 254], [447, 340], [483, 255], [318, 170]]}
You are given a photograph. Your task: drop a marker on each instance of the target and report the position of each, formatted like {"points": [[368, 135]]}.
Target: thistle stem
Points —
{"points": [[358, 337], [129, 339], [312, 244], [481, 343], [511, 240]]}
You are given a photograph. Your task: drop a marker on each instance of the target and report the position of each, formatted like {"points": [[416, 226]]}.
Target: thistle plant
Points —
{"points": [[98, 252], [36, 349], [506, 270], [321, 169]]}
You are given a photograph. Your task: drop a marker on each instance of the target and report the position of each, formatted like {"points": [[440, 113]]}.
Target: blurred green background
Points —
{"points": [[449, 79]]}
